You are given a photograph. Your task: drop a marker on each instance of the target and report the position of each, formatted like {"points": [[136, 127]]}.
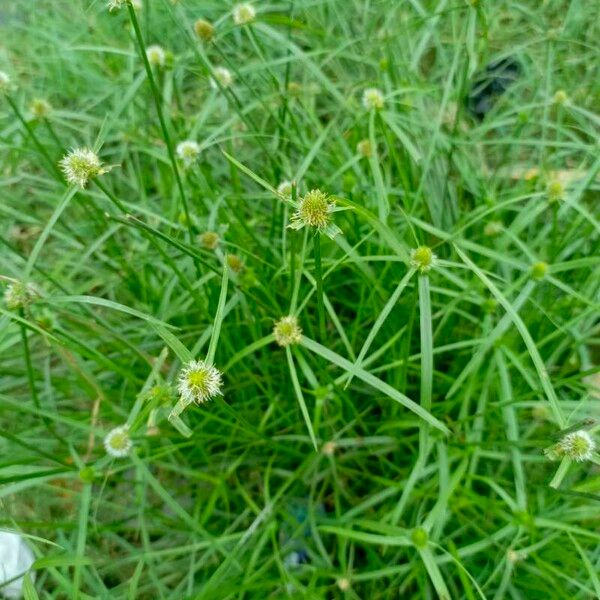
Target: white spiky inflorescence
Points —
{"points": [[243, 14], [372, 99], [314, 210], [188, 152], [117, 442], [199, 382], [156, 55], [578, 445], [80, 165], [287, 331], [422, 258], [19, 294]]}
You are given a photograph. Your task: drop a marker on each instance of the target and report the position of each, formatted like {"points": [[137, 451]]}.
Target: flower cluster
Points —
{"points": [[287, 331], [423, 259], [243, 14], [372, 99], [204, 30], [80, 165], [209, 240], [156, 55], [40, 108], [577, 445], [188, 152], [199, 382], [314, 211], [117, 442], [19, 295]]}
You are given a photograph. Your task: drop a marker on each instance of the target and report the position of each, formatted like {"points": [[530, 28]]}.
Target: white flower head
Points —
{"points": [[156, 55], [222, 77], [188, 152], [40, 108], [285, 189], [19, 295], [199, 382], [422, 258], [372, 99], [314, 210], [5, 82], [81, 165], [578, 446], [117, 442], [243, 14], [287, 331]]}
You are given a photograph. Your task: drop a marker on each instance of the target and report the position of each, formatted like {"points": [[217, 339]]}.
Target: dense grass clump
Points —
{"points": [[301, 298]]}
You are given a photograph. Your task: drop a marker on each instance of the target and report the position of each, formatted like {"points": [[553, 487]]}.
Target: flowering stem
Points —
{"points": [[161, 118], [28, 364], [319, 279], [34, 138], [565, 463]]}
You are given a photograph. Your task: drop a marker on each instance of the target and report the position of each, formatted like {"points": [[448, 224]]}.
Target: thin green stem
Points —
{"points": [[319, 280], [55, 170], [161, 118]]}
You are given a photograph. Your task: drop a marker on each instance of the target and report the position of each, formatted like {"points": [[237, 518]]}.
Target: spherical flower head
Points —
{"points": [[287, 331], [578, 446], [364, 148], [539, 270], [117, 442], [343, 583], [314, 210], [199, 382], [329, 448], [555, 191], [137, 4], [294, 88], [188, 152], [5, 83], [419, 537], [560, 97], [40, 108], [156, 55], [493, 228], [243, 14], [80, 165], [285, 189], [209, 240], [19, 295], [235, 263], [422, 258], [222, 77], [372, 99], [204, 30]]}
